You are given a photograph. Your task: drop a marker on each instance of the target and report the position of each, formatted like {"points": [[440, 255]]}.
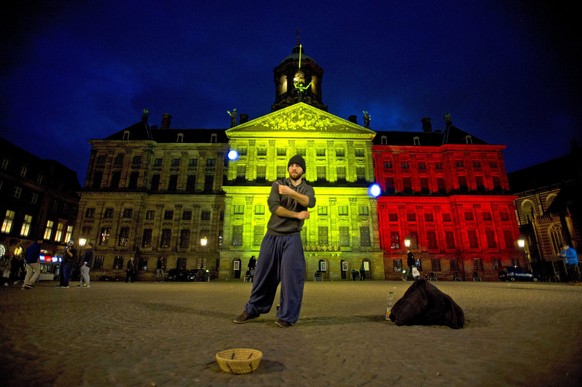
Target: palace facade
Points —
{"points": [[174, 193]]}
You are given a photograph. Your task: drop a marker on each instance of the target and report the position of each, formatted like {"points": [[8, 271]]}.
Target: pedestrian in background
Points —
{"points": [[411, 262], [281, 259], [571, 260], [252, 264], [32, 262], [86, 264], [160, 274], [67, 261], [130, 270]]}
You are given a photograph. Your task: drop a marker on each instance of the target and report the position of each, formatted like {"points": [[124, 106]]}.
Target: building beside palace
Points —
{"points": [[38, 198], [163, 192], [549, 209]]}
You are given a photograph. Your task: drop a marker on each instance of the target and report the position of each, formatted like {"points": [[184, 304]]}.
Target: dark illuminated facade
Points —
{"points": [[38, 198]]}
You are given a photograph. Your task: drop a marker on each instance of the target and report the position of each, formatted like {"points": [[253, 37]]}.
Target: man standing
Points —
{"points": [[69, 258], [281, 258], [130, 270], [86, 266], [411, 262], [32, 264], [160, 269], [571, 260]]}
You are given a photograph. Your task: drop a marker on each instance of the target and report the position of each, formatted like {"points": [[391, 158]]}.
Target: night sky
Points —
{"points": [[509, 72]]}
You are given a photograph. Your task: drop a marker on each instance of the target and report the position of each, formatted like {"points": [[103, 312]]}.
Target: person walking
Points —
{"points": [[252, 265], [160, 274], [67, 261], [281, 259], [571, 261], [32, 262], [86, 264], [411, 262], [130, 270]]}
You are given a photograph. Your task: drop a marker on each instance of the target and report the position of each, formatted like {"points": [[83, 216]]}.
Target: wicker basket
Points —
{"points": [[239, 360]]}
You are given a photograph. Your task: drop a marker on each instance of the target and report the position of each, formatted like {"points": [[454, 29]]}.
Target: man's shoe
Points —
{"points": [[283, 324], [64, 287], [243, 318], [86, 286]]}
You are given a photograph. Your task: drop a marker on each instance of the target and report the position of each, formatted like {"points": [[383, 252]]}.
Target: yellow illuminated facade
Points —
{"points": [[342, 232]]}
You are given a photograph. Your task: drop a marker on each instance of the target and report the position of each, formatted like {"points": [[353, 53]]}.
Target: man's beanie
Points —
{"points": [[297, 159]]}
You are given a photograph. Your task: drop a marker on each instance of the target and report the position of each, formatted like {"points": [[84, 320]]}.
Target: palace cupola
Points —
{"points": [[298, 78]]}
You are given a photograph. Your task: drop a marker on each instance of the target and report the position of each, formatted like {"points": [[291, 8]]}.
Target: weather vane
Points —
{"points": [[299, 79]]}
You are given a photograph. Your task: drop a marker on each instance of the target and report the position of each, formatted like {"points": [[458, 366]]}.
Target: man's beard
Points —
{"points": [[295, 176]]}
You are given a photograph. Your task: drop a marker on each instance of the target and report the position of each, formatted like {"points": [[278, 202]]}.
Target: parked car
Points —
{"points": [[178, 275], [513, 273]]}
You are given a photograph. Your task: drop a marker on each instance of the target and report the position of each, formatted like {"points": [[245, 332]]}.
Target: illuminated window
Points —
{"points": [[237, 235], [394, 240], [25, 229], [344, 234], [365, 237], [48, 229], [166, 238], [8, 220], [69, 235], [59, 232], [105, 235], [258, 235], [322, 236], [123, 236], [146, 240]]}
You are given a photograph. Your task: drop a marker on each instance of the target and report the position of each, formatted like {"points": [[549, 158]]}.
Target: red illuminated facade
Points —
{"points": [[447, 192]]}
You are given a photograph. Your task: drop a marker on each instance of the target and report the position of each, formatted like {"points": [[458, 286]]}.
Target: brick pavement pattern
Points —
{"points": [[167, 334]]}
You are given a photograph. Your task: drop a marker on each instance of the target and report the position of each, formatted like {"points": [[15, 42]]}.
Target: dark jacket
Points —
{"points": [[424, 304], [88, 257], [281, 225], [33, 253]]}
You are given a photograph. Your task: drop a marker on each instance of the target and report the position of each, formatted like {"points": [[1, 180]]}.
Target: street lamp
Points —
{"points": [[82, 242], [521, 244], [203, 241], [407, 242]]}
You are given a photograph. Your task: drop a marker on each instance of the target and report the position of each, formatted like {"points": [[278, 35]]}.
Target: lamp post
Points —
{"points": [[521, 244]]}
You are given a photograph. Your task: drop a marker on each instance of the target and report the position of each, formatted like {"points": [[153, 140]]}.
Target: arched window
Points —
{"points": [[555, 235], [528, 211], [550, 199]]}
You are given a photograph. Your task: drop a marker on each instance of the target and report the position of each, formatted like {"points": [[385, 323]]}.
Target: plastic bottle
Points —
{"points": [[389, 304]]}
